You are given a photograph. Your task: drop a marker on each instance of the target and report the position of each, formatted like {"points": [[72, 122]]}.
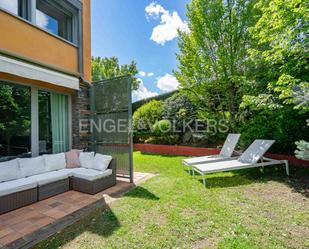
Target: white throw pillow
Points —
{"points": [[9, 170], [86, 159], [31, 166], [55, 162], [101, 162]]}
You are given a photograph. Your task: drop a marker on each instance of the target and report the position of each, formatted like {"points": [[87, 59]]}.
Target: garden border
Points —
{"points": [[199, 151]]}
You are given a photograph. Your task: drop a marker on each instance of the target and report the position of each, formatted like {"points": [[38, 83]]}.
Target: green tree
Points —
{"points": [[213, 58], [105, 68], [281, 39], [14, 112]]}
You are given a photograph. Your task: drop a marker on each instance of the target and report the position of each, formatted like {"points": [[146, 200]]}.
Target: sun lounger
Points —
{"points": [[225, 153], [251, 158]]}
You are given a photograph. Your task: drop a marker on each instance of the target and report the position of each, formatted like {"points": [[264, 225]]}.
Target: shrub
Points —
{"points": [[178, 108], [147, 115], [283, 125], [162, 127], [302, 151], [164, 140]]}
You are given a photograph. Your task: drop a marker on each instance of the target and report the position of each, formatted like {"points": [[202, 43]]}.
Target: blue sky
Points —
{"points": [[143, 31]]}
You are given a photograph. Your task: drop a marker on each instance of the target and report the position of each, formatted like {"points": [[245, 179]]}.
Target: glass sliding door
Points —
{"points": [[15, 121], [53, 123], [32, 122]]}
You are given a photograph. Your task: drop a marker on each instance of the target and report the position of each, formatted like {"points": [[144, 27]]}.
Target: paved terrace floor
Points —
{"points": [[27, 226]]}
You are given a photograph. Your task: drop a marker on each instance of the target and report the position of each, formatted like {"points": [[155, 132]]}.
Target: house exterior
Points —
{"points": [[45, 73]]}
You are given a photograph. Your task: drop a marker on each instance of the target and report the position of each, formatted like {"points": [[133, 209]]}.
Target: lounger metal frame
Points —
{"points": [[264, 162]]}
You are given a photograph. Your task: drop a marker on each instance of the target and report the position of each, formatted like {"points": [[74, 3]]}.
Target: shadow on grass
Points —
{"points": [[102, 222], [140, 192], [298, 179]]}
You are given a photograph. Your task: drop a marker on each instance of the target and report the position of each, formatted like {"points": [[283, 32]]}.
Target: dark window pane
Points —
{"points": [[45, 129], [15, 121]]}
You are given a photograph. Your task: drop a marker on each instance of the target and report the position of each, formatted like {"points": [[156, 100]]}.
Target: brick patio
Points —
{"points": [[27, 226]]}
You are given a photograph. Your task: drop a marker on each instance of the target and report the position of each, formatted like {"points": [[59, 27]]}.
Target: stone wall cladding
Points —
{"points": [[80, 114]]}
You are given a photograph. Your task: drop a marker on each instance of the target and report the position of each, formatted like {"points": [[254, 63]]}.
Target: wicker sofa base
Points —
{"points": [[52, 189], [18, 200], [92, 187], [96, 186]]}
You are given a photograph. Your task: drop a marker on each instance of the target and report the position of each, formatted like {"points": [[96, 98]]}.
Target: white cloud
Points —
{"points": [[9, 5], [41, 19], [167, 83], [145, 74], [154, 10], [169, 23], [142, 92], [142, 73]]}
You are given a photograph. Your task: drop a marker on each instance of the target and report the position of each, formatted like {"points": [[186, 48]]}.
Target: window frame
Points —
{"points": [[66, 10]]}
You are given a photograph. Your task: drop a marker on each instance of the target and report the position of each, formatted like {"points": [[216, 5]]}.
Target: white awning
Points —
{"points": [[22, 69]]}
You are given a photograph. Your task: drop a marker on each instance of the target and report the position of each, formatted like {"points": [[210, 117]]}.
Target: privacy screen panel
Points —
{"points": [[110, 124]]}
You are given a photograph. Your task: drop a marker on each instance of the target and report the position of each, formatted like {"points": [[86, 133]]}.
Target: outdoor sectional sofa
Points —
{"points": [[26, 181]]}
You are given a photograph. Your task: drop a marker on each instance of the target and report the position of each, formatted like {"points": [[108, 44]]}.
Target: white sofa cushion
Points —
{"points": [[15, 186], [31, 166], [55, 162], [101, 162], [70, 171], [91, 174], [86, 159], [49, 177], [9, 170]]}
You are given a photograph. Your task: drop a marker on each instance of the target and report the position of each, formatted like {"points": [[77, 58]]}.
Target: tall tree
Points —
{"points": [[213, 58], [281, 39], [105, 68]]}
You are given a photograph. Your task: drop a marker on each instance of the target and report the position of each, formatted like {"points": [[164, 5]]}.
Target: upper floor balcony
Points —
{"points": [[47, 32]]}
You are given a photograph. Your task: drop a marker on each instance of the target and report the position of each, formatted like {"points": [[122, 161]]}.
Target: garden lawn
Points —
{"points": [[240, 209]]}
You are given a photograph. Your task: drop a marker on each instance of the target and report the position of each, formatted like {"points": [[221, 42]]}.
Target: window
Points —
{"points": [[16, 7], [53, 17], [17, 115], [10, 5], [53, 122], [15, 121]]}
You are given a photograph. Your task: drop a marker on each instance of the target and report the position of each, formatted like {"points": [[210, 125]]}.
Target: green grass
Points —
{"points": [[241, 209]]}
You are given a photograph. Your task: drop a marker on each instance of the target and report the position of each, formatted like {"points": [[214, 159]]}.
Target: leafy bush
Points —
{"points": [[173, 139], [284, 125], [179, 109], [302, 151], [162, 127], [147, 115]]}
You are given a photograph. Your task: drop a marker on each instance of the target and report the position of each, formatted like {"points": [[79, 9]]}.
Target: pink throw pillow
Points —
{"points": [[72, 159]]}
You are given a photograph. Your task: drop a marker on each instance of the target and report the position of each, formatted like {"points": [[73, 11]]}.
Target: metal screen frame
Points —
{"points": [[99, 85]]}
